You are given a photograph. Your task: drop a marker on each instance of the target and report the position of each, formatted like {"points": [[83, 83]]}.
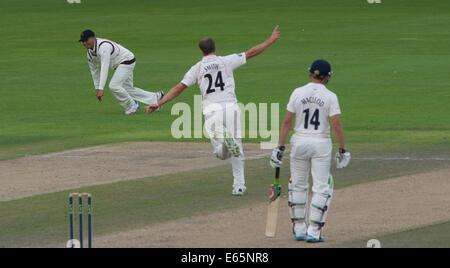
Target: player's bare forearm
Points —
{"points": [[172, 94], [286, 126], [340, 137], [338, 131], [258, 49]]}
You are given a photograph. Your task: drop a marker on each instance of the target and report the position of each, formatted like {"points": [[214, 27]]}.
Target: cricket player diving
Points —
{"points": [[214, 76], [314, 108], [102, 55]]}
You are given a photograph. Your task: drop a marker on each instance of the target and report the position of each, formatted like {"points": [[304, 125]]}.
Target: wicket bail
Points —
{"points": [[80, 197]]}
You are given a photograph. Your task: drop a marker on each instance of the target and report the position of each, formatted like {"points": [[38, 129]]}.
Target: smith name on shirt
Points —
{"points": [[211, 67]]}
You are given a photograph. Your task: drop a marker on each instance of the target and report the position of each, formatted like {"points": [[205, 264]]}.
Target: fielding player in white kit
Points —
{"points": [[314, 108], [104, 54], [214, 75]]}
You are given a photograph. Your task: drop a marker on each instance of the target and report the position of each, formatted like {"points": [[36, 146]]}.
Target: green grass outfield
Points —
{"points": [[390, 64]]}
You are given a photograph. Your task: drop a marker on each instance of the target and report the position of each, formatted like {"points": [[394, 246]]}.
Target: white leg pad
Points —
{"points": [[298, 199], [320, 204], [237, 165], [221, 151]]}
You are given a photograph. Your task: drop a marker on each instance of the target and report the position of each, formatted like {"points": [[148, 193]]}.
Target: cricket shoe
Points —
{"points": [[299, 230], [159, 96], [133, 109], [313, 239], [238, 191], [232, 145]]}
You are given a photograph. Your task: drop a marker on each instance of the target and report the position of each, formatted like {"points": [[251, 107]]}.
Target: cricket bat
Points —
{"points": [[274, 202]]}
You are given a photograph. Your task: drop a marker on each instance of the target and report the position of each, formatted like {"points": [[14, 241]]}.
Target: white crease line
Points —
{"points": [[404, 158], [90, 156], [259, 156], [254, 157]]}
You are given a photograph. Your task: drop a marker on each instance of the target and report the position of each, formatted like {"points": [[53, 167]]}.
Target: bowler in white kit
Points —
{"points": [[104, 54], [314, 108], [214, 76]]}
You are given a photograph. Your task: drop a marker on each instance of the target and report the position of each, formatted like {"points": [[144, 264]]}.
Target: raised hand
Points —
{"points": [[275, 34]]}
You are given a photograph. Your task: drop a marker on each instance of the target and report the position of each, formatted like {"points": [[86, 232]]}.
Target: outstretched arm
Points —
{"points": [[255, 51], [172, 94], [95, 72], [105, 51]]}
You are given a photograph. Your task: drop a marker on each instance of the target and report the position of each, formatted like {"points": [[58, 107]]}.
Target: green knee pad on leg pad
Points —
{"points": [[319, 209]]}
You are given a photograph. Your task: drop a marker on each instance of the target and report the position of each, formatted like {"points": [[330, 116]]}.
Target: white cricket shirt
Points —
{"points": [[104, 55], [313, 104], [214, 76]]}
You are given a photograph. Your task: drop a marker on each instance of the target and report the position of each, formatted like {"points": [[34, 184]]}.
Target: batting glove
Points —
{"points": [[342, 158], [277, 157]]}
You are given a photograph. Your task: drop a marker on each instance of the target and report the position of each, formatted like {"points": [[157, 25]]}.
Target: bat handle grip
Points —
{"points": [[277, 173]]}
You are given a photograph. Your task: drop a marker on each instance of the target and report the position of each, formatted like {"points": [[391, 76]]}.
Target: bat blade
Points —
{"points": [[274, 203], [272, 218]]}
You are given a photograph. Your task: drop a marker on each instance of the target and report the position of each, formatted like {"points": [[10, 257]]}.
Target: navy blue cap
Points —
{"points": [[320, 68], [85, 35]]}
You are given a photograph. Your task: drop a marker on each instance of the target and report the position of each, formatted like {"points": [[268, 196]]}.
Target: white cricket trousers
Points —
{"points": [[122, 88], [218, 124], [310, 155]]}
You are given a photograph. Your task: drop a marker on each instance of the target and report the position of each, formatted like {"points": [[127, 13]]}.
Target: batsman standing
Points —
{"points": [[214, 75], [103, 54], [314, 108]]}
